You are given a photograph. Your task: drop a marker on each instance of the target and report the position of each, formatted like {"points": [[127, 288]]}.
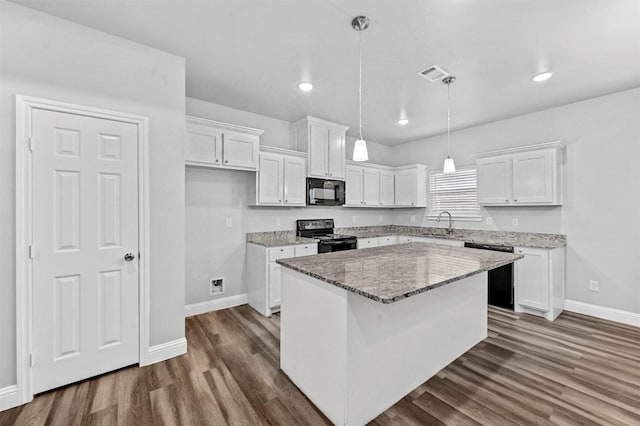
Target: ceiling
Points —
{"points": [[251, 54]]}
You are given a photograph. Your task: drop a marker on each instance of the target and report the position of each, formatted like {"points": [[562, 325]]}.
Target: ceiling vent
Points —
{"points": [[434, 73]]}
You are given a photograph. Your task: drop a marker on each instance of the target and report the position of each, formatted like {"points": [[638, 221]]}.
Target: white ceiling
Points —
{"points": [[251, 54]]}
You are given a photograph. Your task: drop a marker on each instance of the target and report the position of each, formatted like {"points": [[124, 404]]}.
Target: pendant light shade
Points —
{"points": [[449, 164], [360, 23], [360, 151]]}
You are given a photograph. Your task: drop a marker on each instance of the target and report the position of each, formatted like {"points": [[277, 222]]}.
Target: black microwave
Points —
{"points": [[325, 192]]}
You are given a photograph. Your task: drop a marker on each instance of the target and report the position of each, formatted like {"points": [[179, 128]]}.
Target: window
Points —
{"points": [[456, 193]]}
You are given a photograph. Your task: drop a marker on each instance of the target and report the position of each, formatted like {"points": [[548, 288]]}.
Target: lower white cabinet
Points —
{"points": [[539, 281], [368, 242], [388, 240], [263, 274]]}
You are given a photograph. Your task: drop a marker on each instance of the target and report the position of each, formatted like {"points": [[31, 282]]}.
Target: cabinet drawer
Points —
{"points": [[367, 242], [387, 241], [276, 253], [306, 250]]}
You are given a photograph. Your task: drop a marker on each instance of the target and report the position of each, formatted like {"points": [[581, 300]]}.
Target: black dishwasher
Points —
{"points": [[500, 279]]}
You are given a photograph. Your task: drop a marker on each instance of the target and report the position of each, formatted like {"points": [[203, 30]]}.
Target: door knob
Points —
{"points": [[129, 257]]}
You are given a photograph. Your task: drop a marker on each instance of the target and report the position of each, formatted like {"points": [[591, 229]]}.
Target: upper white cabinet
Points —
{"points": [[362, 186], [372, 185], [411, 186], [325, 142], [528, 176], [387, 190], [216, 144], [281, 180]]}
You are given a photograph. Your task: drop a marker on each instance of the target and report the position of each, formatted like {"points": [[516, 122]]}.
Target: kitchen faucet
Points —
{"points": [[449, 229]]}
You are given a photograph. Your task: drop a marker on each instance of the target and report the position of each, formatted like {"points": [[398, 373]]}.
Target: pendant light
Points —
{"points": [[360, 23], [449, 165]]}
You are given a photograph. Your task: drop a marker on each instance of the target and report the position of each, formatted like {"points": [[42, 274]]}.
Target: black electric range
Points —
{"points": [[323, 230]]}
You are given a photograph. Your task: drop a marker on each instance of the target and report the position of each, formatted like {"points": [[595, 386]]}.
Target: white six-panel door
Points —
{"points": [[85, 221]]}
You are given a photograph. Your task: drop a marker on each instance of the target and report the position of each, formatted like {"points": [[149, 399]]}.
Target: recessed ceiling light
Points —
{"points": [[305, 86], [543, 76], [403, 121]]}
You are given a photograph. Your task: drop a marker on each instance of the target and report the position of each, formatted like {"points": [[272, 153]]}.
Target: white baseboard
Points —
{"points": [[165, 351], [9, 397], [215, 305], [617, 315]]}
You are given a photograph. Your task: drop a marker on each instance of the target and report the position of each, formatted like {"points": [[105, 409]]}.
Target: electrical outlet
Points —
{"points": [[353, 219], [379, 218], [413, 219], [489, 220], [514, 221], [277, 221], [216, 286], [228, 223], [594, 285]]}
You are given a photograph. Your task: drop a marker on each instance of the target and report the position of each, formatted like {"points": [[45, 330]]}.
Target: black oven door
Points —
{"points": [[329, 246]]}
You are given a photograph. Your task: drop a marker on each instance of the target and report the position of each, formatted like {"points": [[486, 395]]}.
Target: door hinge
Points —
{"points": [[32, 359], [32, 251], [30, 143]]}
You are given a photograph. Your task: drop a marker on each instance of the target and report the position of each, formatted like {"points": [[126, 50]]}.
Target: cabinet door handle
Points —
{"points": [[364, 202], [279, 201], [286, 201], [226, 161], [507, 200], [217, 161], [515, 201]]}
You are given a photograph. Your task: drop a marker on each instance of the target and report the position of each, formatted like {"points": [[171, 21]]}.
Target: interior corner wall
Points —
{"points": [[213, 196], [601, 189], [47, 57]]}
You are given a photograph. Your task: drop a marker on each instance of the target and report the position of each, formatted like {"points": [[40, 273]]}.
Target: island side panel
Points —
{"points": [[393, 348], [313, 340]]}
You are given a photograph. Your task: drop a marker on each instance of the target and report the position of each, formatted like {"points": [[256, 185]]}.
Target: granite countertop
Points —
{"points": [[516, 239], [391, 273], [278, 239]]}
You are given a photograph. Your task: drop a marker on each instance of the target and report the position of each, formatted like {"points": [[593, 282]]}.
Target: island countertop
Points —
{"points": [[391, 273]]}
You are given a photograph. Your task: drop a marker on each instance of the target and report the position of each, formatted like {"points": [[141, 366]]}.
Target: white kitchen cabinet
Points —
{"points": [[410, 183], [281, 179], [528, 176], [362, 186], [388, 240], [539, 281], [494, 180], [325, 142], [367, 242], [387, 190], [221, 145], [353, 187], [263, 273]]}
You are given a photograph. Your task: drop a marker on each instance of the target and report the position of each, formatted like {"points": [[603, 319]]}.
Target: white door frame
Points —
{"points": [[24, 226]]}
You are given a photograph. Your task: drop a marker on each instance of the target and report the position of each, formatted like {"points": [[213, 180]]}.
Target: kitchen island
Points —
{"points": [[362, 328]]}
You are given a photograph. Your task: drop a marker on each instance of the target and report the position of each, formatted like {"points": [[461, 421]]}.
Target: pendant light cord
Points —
{"points": [[448, 120], [360, 81]]}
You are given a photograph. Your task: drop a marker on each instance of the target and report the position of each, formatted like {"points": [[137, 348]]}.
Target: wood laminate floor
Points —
{"points": [[576, 370]]}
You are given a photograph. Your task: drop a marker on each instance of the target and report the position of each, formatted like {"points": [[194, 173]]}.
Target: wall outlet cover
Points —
{"points": [[228, 223], [353, 219], [489, 220], [514, 221], [594, 285], [277, 221], [216, 286], [413, 219]]}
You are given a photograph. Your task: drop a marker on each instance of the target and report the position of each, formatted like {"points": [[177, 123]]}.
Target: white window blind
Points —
{"points": [[456, 193]]}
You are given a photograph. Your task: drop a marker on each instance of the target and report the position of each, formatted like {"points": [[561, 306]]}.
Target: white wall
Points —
{"points": [[46, 57], [212, 196], [599, 217]]}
